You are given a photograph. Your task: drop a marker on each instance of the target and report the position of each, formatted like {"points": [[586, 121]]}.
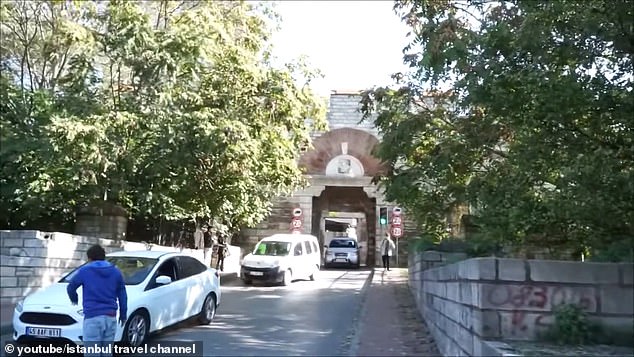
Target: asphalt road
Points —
{"points": [[306, 318]]}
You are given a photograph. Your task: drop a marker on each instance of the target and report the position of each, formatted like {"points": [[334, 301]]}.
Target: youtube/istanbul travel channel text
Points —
{"points": [[180, 348]]}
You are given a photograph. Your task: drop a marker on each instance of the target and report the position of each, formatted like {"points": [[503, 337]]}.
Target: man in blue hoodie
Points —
{"points": [[102, 285]]}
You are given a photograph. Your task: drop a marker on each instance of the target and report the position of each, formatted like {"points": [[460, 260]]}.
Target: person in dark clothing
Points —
{"points": [[102, 284], [222, 252]]}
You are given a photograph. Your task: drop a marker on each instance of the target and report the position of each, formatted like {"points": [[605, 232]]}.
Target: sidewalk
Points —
{"points": [[390, 324], [6, 310]]}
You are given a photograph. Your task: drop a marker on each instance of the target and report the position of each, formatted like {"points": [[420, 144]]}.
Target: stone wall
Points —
{"points": [[343, 112], [31, 260], [471, 301]]}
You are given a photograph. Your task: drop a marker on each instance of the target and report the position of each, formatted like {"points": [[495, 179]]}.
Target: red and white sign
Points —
{"points": [[397, 223], [297, 221]]}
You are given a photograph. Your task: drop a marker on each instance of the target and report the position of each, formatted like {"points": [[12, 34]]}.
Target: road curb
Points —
{"points": [[361, 310], [228, 277]]}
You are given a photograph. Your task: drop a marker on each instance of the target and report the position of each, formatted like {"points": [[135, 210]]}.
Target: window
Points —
{"points": [[190, 267], [343, 243], [315, 248], [298, 249], [272, 248], [133, 269], [168, 268], [308, 248]]}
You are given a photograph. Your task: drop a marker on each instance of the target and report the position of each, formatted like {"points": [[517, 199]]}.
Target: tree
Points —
{"points": [[170, 109], [531, 125]]}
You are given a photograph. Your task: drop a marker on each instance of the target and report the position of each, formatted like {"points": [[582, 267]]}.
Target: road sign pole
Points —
{"points": [[397, 252]]}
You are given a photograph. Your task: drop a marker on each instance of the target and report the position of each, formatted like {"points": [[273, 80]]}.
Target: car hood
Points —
{"points": [[56, 295], [262, 261], [53, 295]]}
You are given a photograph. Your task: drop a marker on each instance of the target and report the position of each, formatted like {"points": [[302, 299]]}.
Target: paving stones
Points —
{"points": [[390, 324]]}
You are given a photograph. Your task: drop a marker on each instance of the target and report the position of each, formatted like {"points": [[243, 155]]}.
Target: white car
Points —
{"points": [[163, 288], [282, 258], [342, 251]]}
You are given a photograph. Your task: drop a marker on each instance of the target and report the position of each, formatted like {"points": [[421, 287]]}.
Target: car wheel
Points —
{"points": [[247, 281], [208, 311], [288, 277], [136, 329]]}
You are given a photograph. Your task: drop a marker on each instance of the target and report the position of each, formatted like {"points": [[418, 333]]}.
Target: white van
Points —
{"points": [[282, 258]]}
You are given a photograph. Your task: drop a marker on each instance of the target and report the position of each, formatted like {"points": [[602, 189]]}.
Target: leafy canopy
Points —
{"points": [[171, 109], [521, 110]]}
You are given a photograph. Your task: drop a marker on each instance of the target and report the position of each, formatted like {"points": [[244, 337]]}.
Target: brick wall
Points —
{"points": [[31, 260], [469, 302]]}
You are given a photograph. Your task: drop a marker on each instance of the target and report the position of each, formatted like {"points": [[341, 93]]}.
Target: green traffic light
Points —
{"points": [[383, 220]]}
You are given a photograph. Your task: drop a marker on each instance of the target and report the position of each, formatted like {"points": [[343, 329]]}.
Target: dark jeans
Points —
{"points": [[221, 262], [386, 262]]}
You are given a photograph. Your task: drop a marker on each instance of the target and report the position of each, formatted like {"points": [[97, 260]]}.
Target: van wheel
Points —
{"points": [[288, 277], [312, 276]]}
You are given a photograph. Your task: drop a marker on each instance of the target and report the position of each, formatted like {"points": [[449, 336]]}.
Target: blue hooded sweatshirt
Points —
{"points": [[102, 285]]}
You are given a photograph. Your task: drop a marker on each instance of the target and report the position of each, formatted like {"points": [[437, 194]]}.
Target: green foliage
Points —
{"points": [[168, 108], [572, 327], [523, 111], [618, 251]]}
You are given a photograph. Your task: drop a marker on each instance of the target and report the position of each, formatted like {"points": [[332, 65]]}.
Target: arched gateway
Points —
{"points": [[341, 198]]}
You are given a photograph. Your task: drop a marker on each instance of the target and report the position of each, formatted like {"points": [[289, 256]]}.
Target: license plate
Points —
{"points": [[44, 332], [342, 260], [256, 273]]}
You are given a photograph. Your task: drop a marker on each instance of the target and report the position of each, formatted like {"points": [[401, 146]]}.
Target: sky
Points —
{"points": [[355, 44]]}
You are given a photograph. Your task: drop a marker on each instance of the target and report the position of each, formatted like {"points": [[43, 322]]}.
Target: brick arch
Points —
{"points": [[328, 146]]}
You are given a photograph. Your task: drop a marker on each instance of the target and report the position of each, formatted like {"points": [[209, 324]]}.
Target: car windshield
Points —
{"points": [[343, 243], [133, 269], [272, 248]]}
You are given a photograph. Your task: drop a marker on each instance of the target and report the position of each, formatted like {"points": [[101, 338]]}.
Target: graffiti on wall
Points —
{"points": [[538, 297], [530, 306]]}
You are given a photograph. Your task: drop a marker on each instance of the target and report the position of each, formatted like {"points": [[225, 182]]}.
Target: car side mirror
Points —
{"points": [[163, 280]]}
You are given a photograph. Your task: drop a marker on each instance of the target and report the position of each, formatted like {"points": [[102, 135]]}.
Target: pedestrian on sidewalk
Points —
{"points": [[103, 286], [222, 252], [387, 250]]}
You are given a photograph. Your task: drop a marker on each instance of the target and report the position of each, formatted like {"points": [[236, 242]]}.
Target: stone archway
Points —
{"points": [[345, 143], [345, 202]]}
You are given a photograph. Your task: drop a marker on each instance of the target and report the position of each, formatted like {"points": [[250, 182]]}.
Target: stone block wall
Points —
{"points": [[475, 300], [107, 227], [343, 112], [31, 260]]}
